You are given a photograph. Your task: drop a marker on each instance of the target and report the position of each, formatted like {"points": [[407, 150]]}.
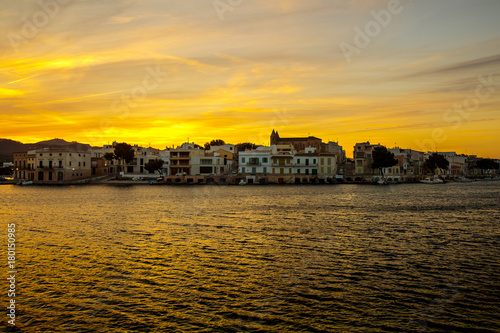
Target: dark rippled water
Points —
{"points": [[346, 258]]}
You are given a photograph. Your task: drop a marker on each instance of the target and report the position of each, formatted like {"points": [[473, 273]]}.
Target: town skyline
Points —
{"points": [[267, 144], [421, 75]]}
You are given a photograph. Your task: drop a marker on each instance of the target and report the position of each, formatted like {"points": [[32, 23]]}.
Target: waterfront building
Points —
{"points": [[165, 156], [56, 164], [180, 159], [189, 160], [142, 156], [99, 164], [335, 148], [327, 165], [306, 163], [410, 163], [24, 165], [363, 160], [255, 161], [207, 163]]}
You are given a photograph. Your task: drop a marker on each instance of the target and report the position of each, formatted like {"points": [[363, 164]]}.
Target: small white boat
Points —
{"points": [[431, 180], [464, 180], [242, 182], [22, 182], [382, 181]]}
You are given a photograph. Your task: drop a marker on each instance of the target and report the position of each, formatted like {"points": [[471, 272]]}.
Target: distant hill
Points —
{"points": [[54, 142], [9, 147]]}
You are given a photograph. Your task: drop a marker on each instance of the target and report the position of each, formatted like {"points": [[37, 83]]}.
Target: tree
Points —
{"points": [[154, 165], [109, 156], [245, 145], [487, 164], [436, 161], [382, 158], [217, 142], [124, 152]]}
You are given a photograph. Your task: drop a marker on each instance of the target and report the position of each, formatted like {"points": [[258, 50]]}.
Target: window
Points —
{"points": [[83, 163], [359, 163], [79, 163], [41, 154], [206, 161], [243, 170], [60, 154], [206, 169], [322, 160], [41, 164], [265, 170], [314, 161], [264, 159], [50, 154], [243, 161], [329, 161]]}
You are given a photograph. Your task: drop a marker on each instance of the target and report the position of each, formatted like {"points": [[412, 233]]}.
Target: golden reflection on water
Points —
{"points": [[290, 258]]}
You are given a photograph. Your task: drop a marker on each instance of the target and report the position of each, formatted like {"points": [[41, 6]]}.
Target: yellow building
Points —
{"points": [[52, 165], [327, 166], [225, 154]]}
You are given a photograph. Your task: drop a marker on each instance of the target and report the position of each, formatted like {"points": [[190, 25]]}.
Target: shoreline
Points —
{"points": [[118, 183]]}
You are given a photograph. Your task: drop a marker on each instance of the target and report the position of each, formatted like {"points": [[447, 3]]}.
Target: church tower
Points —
{"points": [[274, 137]]}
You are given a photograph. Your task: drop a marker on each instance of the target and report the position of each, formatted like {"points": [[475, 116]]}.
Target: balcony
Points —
{"points": [[360, 155]]}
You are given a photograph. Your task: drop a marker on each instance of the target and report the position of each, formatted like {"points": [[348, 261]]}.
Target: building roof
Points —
{"points": [[299, 139]]}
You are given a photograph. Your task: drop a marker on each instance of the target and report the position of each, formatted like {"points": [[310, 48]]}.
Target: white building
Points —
{"points": [[188, 160], [207, 164], [165, 156], [256, 161], [306, 163]]}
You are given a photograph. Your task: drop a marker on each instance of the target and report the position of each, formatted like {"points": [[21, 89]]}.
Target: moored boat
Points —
{"points": [[432, 180], [22, 182]]}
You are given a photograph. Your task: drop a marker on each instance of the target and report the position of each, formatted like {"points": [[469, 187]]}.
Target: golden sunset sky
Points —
{"points": [[425, 75]]}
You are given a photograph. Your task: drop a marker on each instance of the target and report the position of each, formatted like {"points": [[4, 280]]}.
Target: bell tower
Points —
{"points": [[274, 137]]}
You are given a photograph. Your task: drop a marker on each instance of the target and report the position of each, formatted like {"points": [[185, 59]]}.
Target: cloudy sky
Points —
{"points": [[419, 74]]}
